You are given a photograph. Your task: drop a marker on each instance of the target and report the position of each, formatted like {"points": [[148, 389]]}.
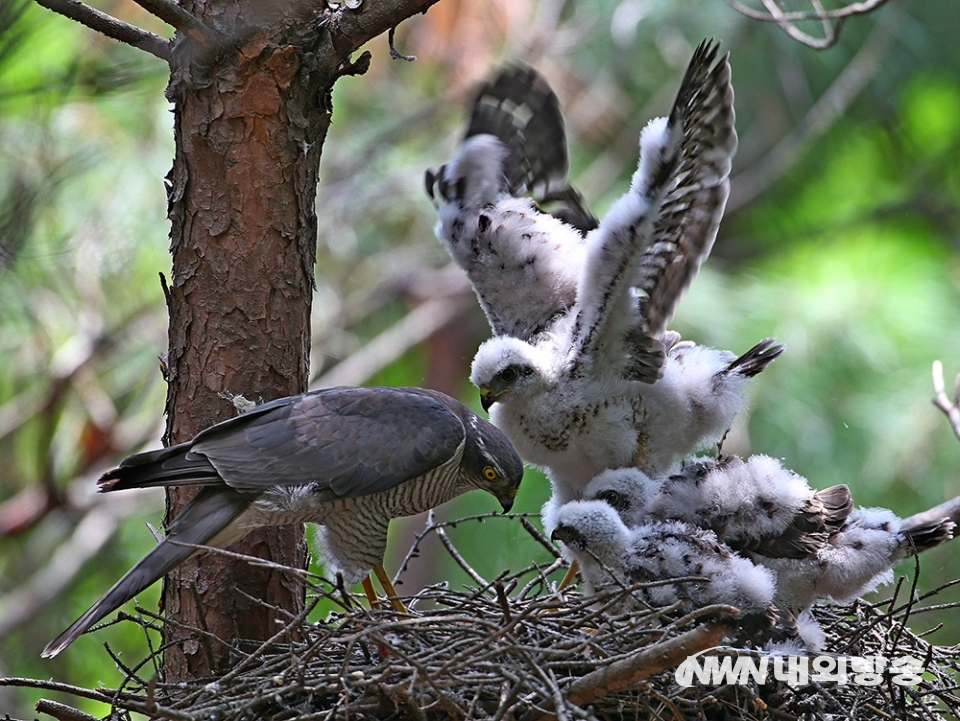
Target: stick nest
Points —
{"points": [[512, 648]]}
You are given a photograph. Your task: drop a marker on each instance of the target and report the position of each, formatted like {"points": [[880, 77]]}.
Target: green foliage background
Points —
{"points": [[849, 256]]}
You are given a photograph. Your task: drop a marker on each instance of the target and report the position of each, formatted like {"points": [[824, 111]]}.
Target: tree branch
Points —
{"points": [[946, 404], [948, 509], [415, 327], [831, 106], [174, 15], [110, 26], [639, 666], [858, 8], [62, 712], [829, 35], [355, 29]]}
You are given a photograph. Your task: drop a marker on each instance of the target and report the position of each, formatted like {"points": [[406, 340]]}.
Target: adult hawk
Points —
{"points": [[350, 459]]}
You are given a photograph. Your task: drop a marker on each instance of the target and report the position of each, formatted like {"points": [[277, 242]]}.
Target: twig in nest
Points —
{"points": [[455, 554], [62, 712]]}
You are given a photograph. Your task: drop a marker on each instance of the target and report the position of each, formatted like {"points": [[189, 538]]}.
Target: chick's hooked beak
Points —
{"points": [[487, 398]]}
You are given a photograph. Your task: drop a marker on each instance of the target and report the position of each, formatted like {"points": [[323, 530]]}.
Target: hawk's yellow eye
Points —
{"points": [[490, 473]]}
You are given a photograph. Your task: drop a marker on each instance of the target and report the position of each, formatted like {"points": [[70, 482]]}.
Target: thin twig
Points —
{"points": [[942, 401], [414, 328], [174, 15], [754, 180], [455, 554], [859, 8], [110, 26], [394, 53]]}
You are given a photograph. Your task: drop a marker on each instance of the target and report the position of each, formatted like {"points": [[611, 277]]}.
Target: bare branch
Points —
{"points": [[455, 554], [831, 106], [394, 53], [945, 403], [786, 20], [829, 35], [173, 14], [860, 8], [88, 538], [96, 695], [110, 26], [641, 665], [418, 325], [62, 712], [355, 29], [948, 509]]}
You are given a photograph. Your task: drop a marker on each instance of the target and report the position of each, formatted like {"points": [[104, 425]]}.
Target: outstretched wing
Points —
{"points": [[522, 262], [520, 108], [694, 203], [346, 441], [653, 240]]}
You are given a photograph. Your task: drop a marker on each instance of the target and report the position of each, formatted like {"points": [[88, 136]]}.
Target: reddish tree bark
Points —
{"points": [[243, 240], [250, 83], [251, 117]]}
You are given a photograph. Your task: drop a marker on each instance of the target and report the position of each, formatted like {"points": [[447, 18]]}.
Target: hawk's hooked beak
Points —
{"points": [[487, 398], [570, 536], [506, 499]]}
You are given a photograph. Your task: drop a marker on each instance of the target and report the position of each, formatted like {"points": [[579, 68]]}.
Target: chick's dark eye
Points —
{"points": [[508, 374], [612, 498]]}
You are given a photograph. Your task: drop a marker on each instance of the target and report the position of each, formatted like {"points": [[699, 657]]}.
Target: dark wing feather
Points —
{"points": [[351, 441], [348, 441], [693, 206], [520, 108], [209, 513], [164, 467], [927, 534], [658, 254], [823, 514]]}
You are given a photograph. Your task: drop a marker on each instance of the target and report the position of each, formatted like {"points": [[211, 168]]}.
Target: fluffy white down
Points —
{"points": [[693, 405], [634, 487], [606, 539], [861, 557], [672, 549], [856, 560], [543, 412], [758, 496], [479, 162], [653, 140], [811, 632], [497, 353]]}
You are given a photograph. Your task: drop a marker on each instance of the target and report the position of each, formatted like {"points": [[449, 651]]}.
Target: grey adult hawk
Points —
{"points": [[582, 373], [350, 459]]}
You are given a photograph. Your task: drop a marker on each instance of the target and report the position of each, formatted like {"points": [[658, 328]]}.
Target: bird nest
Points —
{"points": [[513, 648]]}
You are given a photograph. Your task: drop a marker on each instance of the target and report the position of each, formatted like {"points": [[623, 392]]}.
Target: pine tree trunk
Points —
{"points": [[250, 120]]}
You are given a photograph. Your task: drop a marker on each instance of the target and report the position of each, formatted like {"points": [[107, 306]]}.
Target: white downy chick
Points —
{"points": [[754, 505], [857, 559]]}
